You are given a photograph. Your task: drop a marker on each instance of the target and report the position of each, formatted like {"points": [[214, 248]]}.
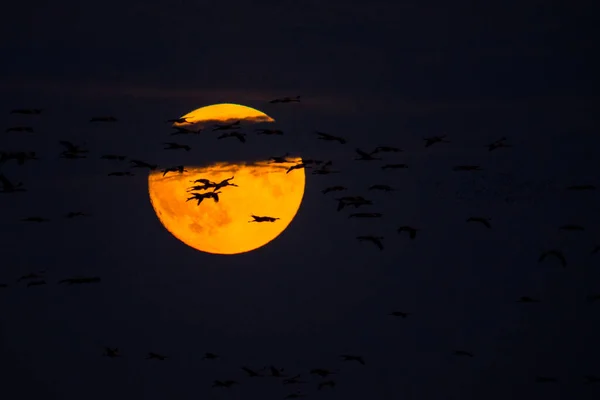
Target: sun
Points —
{"points": [[223, 112], [263, 188], [223, 227]]}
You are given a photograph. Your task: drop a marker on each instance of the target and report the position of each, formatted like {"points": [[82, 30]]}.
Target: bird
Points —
{"points": [[180, 130], [27, 111], [36, 283], [365, 215], [73, 214], [546, 379], [296, 395], [412, 232], [201, 196], [364, 156], [223, 183], [224, 384], [500, 143], [181, 120], [295, 99], [176, 146], [276, 372], [581, 187], [589, 379], [210, 356], [35, 219], [384, 188], [333, 189], [238, 135], [72, 148], [80, 280], [27, 129], [430, 141], [323, 373], [297, 166], [31, 275], [484, 221], [349, 357], [269, 132], [571, 227], [292, 380], [251, 373], [9, 187], [156, 356], [113, 157], [556, 253], [329, 383], [386, 149], [112, 352], [280, 159], [142, 164], [376, 240], [256, 218], [118, 173], [103, 119], [394, 166], [527, 299], [223, 127], [467, 168], [355, 201], [179, 168], [399, 314], [463, 353], [330, 138]]}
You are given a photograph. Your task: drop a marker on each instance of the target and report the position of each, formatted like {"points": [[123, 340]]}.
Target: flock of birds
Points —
{"points": [[203, 189]]}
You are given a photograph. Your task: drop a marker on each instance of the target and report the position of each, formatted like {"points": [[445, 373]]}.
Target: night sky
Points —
{"points": [[378, 73]]}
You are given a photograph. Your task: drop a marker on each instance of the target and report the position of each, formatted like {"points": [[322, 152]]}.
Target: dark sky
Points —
{"points": [[377, 73]]}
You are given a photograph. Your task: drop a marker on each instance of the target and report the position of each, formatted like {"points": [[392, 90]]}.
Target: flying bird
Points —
{"points": [[238, 135], [73, 214], [376, 240], [364, 156], [498, 144], [176, 146], [112, 352], [256, 218], [113, 157], [412, 232], [179, 169], [394, 166], [484, 221], [334, 189], [223, 183], [9, 187], [142, 164], [251, 373], [224, 384], [365, 215], [35, 219], [224, 127], [467, 168], [348, 357], [399, 314], [181, 120], [269, 132], [72, 148], [386, 149], [201, 196], [430, 141], [571, 227], [103, 119], [28, 129], [295, 99], [81, 280], [581, 187], [118, 173], [27, 111], [210, 356], [297, 166], [330, 138], [323, 373], [556, 253], [329, 383], [156, 356], [180, 130], [36, 283], [293, 380], [463, 353], [384, 188], [527, 299]]}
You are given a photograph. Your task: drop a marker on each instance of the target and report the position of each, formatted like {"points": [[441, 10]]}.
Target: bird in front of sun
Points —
{"points": [[257, 218]]}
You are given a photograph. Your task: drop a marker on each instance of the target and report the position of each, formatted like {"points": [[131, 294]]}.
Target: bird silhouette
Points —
{"points": [[394, 166], [557, 254], [333, 189], [376, 240], [412, 232], [330, 138], [156, 356], [238, 135], [364, 156], [349, 357], [430, 141], [256, 218], [482, 220], [142, 164], [176, 146], [295, 99]]}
